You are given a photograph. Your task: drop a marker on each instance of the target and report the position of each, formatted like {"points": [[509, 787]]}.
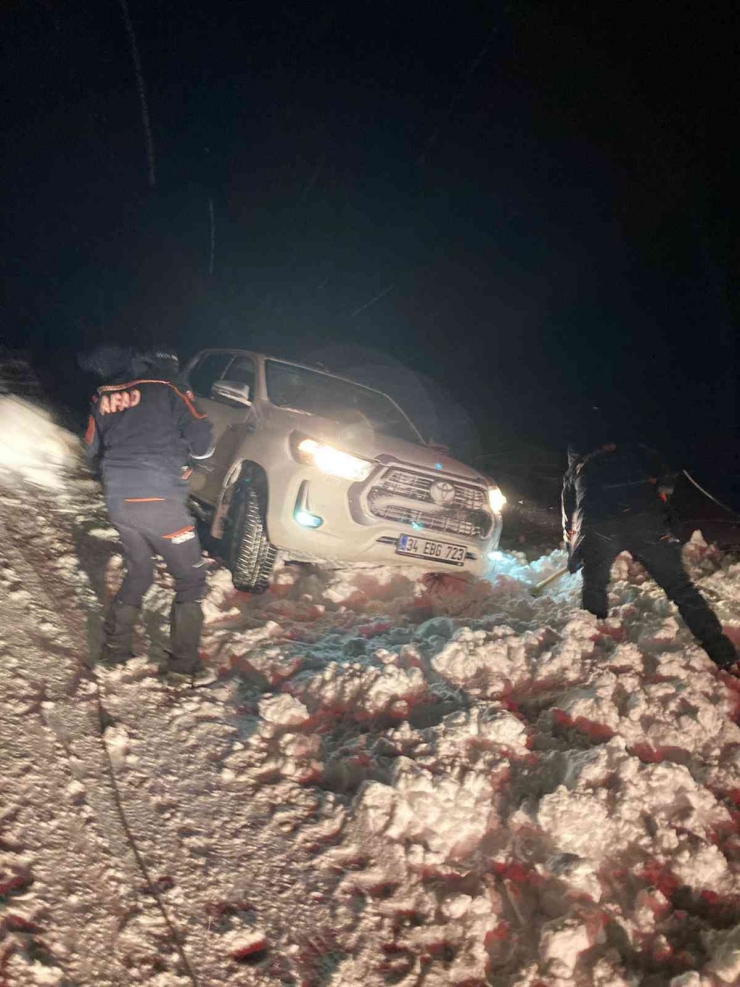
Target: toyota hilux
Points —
{"points": [[324, 469]]}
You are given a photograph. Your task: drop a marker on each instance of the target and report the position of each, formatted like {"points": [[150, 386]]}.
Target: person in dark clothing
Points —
{"points": [[143, 427], [615, 500]]}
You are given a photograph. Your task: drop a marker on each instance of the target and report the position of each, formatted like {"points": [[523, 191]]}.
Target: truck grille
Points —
{"points": [[404, 496]]}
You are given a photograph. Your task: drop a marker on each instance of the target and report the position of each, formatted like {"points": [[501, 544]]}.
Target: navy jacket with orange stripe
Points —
{"points": [[142, 432]]}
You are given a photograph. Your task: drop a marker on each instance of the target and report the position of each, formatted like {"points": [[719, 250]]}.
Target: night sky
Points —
{"points": [[530, 206]]}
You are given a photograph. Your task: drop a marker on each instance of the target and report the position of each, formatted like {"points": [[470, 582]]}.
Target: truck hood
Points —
{"points": [[371, 444]]}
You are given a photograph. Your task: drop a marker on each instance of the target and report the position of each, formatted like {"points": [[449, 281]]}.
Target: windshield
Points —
{"points": [[340, 400]]}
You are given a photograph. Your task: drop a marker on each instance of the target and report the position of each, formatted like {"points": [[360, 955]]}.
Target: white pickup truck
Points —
{"points": [[325, 469]]}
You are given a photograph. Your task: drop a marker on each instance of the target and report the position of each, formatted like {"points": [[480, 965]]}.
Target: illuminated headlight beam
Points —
{"points": [[333, 461], [496, 500]]}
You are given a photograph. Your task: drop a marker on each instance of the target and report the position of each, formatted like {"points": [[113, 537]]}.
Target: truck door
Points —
{"points": [[230, 421]]}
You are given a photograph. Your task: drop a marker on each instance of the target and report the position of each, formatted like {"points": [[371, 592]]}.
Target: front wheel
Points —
{"points": [[250, 555]]}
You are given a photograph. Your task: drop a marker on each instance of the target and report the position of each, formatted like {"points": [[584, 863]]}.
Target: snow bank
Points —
{"points": [[581, 787], [33, 446], [399, 780]]}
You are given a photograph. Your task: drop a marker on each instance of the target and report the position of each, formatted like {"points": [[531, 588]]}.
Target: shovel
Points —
{"points": [[538, 589]]}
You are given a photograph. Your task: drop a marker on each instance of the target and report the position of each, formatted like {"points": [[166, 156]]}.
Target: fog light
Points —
{"points": [[308, 520], [302, 513]]}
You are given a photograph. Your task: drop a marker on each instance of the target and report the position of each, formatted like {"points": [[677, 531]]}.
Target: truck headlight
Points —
{"points": [[332, 461], [496, 499]]}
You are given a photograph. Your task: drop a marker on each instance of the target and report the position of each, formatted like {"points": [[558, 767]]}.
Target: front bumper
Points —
{"points": [[350, 531]]}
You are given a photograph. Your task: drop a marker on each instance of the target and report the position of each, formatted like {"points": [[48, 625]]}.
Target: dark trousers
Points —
{"points": [[645, 542], [158, 526]]}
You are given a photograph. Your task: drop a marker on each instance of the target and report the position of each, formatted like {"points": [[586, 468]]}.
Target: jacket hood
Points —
{"points": [[108, 361]]}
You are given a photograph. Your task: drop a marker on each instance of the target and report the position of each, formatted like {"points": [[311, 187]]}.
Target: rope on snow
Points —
{"points": [[104, 721]]}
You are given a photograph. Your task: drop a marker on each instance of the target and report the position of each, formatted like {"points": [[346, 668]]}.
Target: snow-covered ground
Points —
{"points": [[397, 780]]}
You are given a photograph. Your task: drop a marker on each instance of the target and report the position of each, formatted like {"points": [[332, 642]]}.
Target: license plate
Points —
{"points": [[435, 551]]}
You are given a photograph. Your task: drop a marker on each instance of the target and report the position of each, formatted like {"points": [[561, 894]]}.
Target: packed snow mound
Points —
{"points": [[32, 445], [400, 779]]}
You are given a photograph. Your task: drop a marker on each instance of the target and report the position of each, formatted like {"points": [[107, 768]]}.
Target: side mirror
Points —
{"points": [[232, 391]]}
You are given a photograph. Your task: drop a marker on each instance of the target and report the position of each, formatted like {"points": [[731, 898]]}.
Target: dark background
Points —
{"points": [[530, 207]]}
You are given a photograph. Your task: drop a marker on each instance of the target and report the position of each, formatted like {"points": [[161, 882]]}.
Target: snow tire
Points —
{"points": [[250, 555]]}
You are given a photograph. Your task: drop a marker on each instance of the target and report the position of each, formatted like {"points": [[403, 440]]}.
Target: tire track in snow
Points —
{"points": [[82, 674], [53, 776], [167, 767]]}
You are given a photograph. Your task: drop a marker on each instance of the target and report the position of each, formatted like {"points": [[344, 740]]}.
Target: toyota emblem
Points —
{"points": [[442, 492]]}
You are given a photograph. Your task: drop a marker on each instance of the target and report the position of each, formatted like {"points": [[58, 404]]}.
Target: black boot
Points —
{"points": [[186, 621], [118, 628], [722, 651]]}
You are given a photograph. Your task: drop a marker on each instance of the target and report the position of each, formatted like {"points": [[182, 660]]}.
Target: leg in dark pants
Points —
{"points": [[598, 553], [662, 559], [164, 528], [120, 621], [137, 553], [182, 555]]}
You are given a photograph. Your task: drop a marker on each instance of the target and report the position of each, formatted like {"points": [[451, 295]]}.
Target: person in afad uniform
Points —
{"points": [[143, 428]]}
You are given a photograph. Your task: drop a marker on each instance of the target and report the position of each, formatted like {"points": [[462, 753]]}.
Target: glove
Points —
{"points": [[575, 561]]}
